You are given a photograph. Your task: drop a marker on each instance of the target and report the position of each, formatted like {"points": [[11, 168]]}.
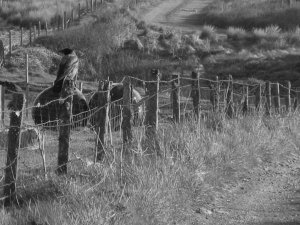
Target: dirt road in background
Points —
{"points": [[176, 14]]}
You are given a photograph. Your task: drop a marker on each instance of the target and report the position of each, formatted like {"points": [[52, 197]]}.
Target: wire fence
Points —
{"points": [[39, 139]]}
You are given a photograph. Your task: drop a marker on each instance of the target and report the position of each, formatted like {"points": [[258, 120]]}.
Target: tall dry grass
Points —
{"points": [[248, 14], [198, 162]]}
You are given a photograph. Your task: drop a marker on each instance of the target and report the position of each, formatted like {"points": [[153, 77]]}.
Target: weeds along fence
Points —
{"points": [[32, 152], [22, 36]]}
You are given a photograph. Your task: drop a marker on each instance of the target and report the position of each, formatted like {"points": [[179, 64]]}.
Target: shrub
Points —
{"points": [[236, 33], [208, 32]]}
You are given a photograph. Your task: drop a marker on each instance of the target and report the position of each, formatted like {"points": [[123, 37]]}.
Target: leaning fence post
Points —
{"points": [[175, 93], [277, 98], [108, 108], [195, 94], [288, 97], [127, 112], [229, 100], [246, 99], [27, 85], [258, 98], [268, 98], [65, 114], [151, 117], [17, 104]]}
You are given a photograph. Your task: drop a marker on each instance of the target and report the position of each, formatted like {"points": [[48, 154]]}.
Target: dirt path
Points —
{"points": [[269, 196], [176, 14]]}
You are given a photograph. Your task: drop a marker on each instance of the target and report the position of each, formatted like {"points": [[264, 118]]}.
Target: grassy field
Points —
{"points": [[24, 13], [249, 14], [198, 163]]}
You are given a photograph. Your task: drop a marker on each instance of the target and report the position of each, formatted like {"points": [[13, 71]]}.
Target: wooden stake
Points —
{"points": [[27, 85], [2, 104], [288, 97], [258, 98], [39, 28], [277, 98], [10, 44], [246, 99], [14, 136], [229, 101], [127, 113], [65, 115], [268, 98], [21, 37], [175, 97]]}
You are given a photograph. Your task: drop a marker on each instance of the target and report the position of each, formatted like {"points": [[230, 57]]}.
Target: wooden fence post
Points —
{"points": [[63, 21], [268, 98], [217, 94], [92, 7], [39, 28], [72, 16], [17, 104], [21, 37], [2, 104], [127, 112], [87, 5], [81, 86], [297, 98], [34, 32], [258, 98], [288, 101], [108, 108], [46, 28], [27, 84], [151, 117], [78, 11], [195, 94], [30, 35], [175, 97], [65, 115], [10, 44], [58, 22], [277, 98], [100, 119], [229, 100], [246, 99]]}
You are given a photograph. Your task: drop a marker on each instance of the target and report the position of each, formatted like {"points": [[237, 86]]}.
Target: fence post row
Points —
{"points": [[127, 112], [16, 105], [151, 117], [65, 115], [176, 97]]}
